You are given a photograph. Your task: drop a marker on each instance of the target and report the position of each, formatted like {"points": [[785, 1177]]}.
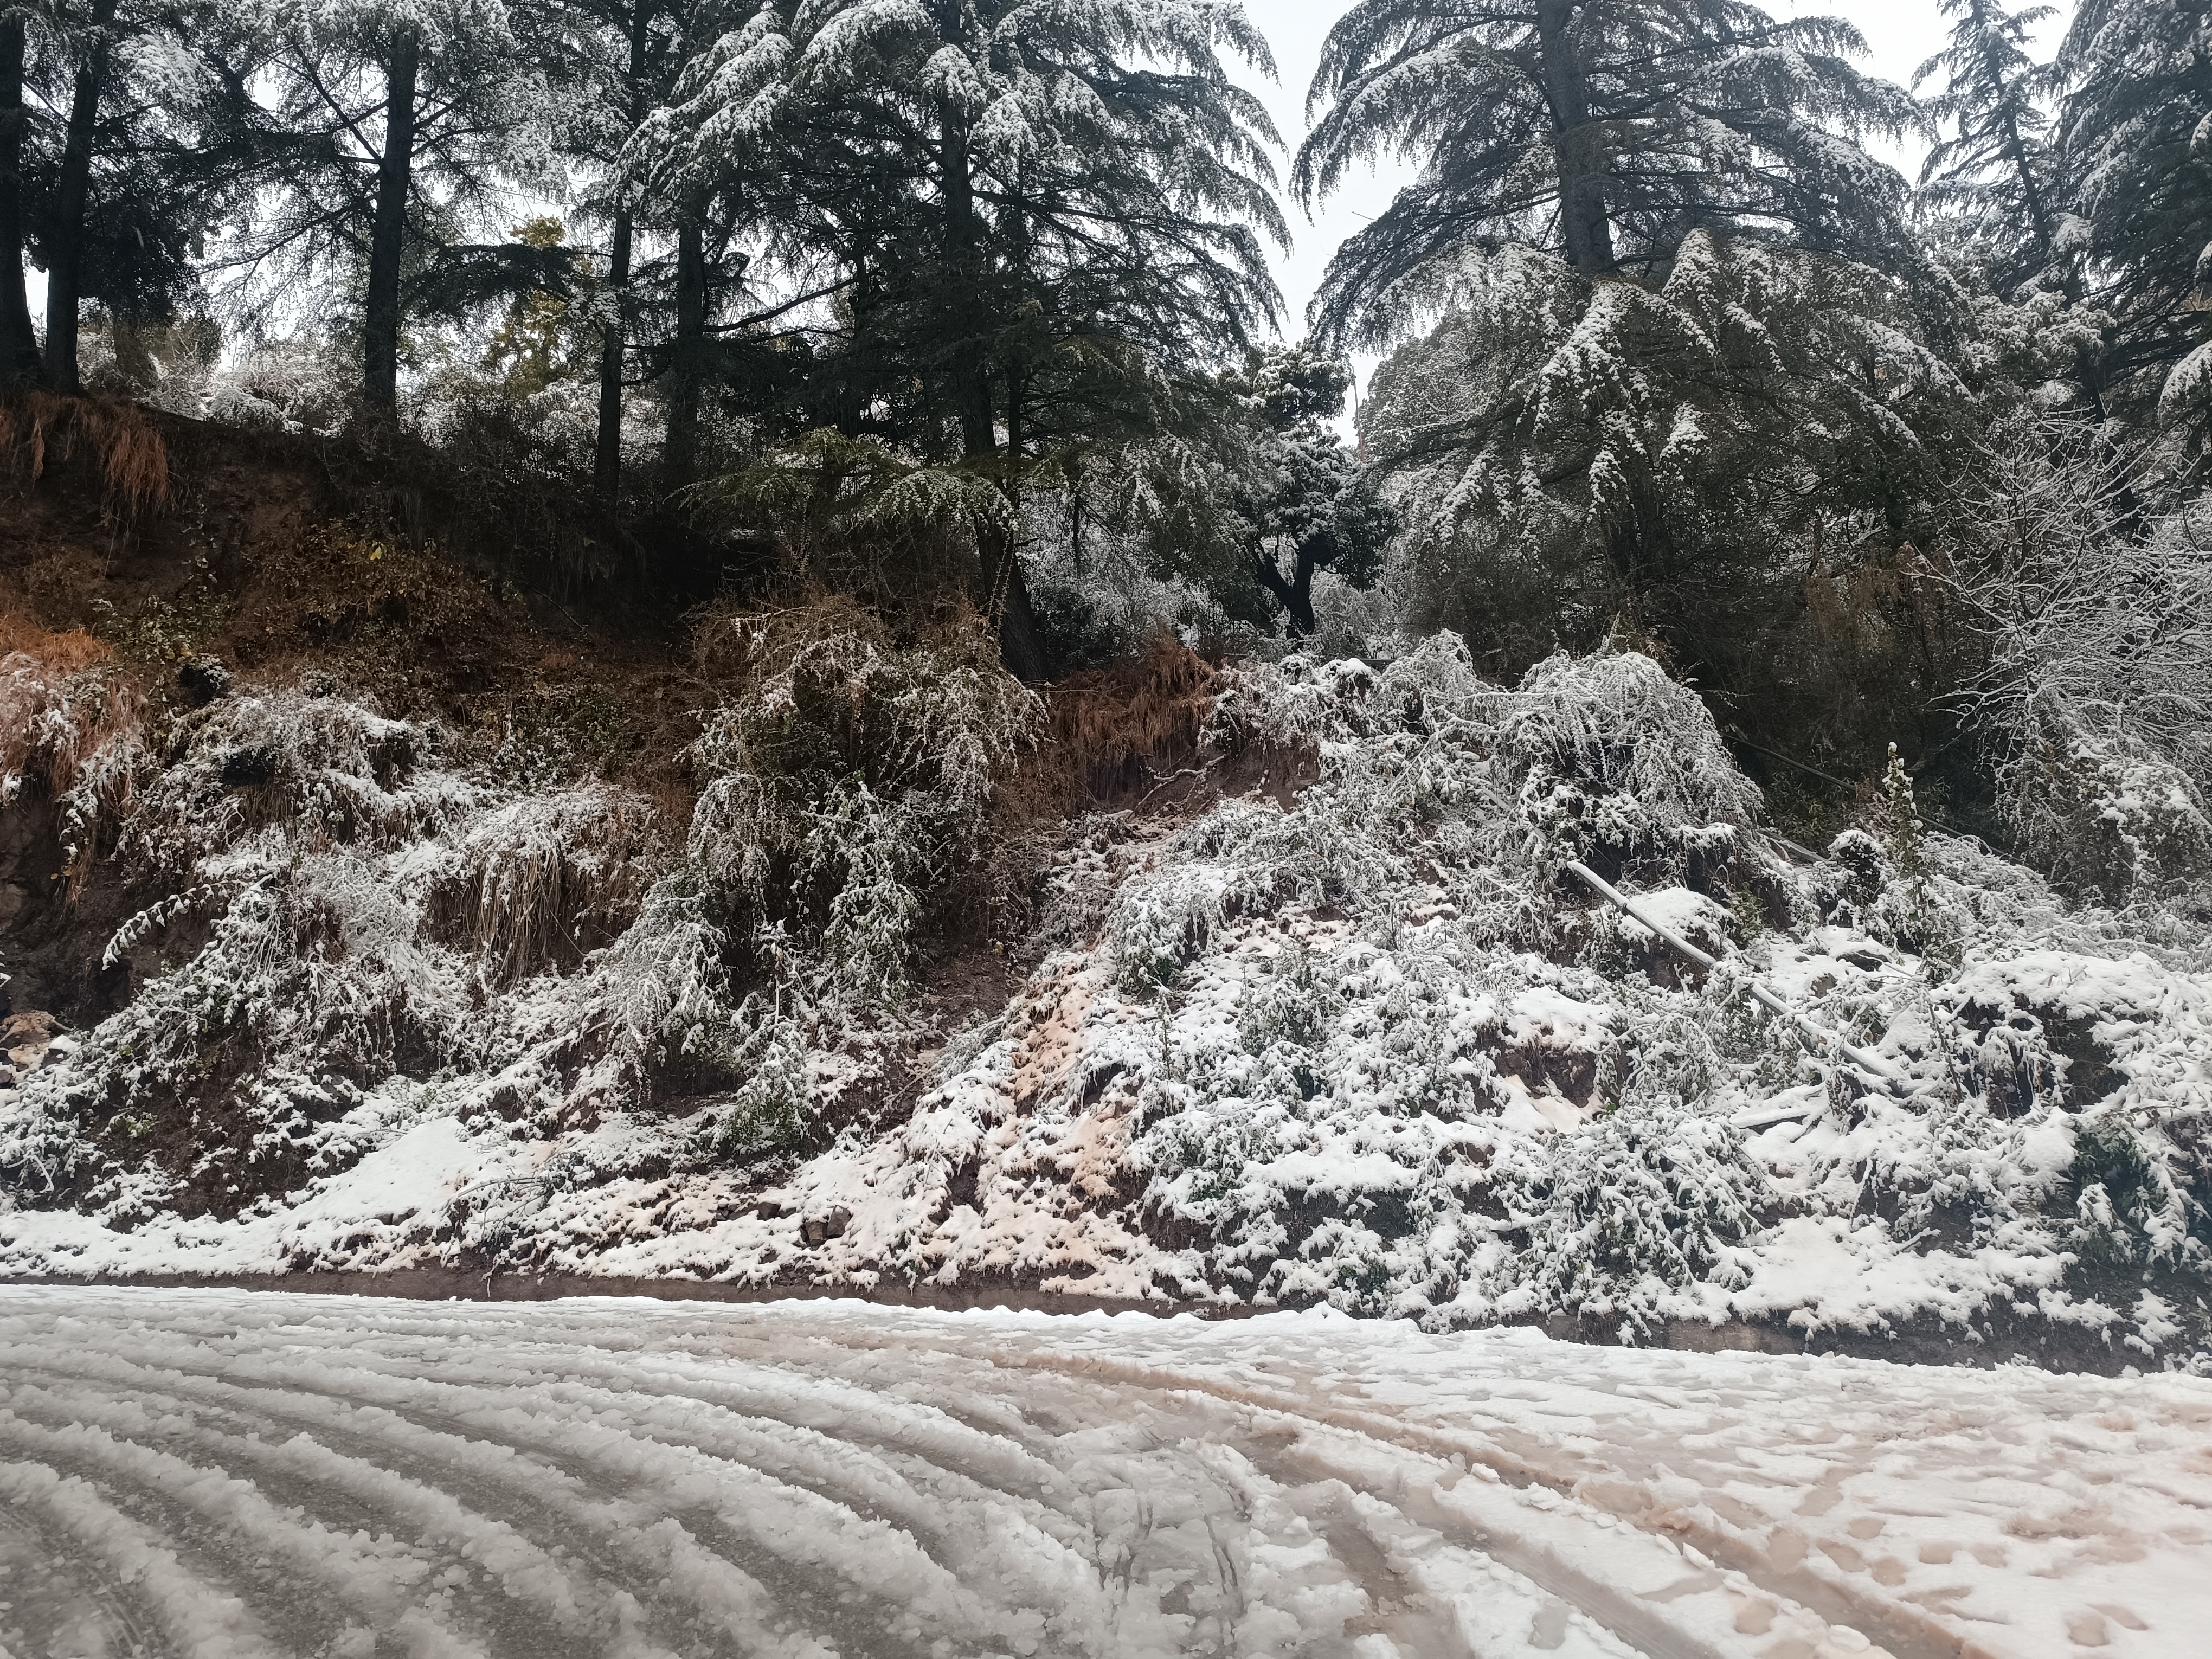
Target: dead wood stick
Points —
{"points": [[1819, 1034]]}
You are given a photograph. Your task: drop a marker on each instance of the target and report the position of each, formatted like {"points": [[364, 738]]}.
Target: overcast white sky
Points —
{"points": [[1900, 35]]}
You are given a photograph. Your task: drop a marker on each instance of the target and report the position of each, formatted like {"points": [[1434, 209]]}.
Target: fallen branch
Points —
{"points": [[1891, 1077]]}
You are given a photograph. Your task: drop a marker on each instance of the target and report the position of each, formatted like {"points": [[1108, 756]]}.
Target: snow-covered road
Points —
{"points": [[232, 1474]]}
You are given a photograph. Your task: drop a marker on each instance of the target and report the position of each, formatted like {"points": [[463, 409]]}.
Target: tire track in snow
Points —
{"points": [[494, 1430], [1906, 1637], [568, 1598], [479, 1409], [201, 1619], [328, 1564], [578, 1427], [52, 1585], [901, 1480]]}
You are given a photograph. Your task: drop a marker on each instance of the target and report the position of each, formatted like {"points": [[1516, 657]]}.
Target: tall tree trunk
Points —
{"points": [[2038, 212], [1004, 596], [1577, 145], [1021, 644], [19, 342], [971, 368], [1294, 592], [606, 459], [395, 178], [680, 460], [65, 233]]}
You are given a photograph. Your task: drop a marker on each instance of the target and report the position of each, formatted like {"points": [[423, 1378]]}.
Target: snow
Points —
{"points": [[231, 1473]]}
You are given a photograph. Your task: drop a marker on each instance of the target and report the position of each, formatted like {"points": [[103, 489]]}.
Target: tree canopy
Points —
{"points": [[735, 279]]}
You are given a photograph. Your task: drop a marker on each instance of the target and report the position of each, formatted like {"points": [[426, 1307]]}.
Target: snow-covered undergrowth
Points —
{"points": [[1372, 1047]]}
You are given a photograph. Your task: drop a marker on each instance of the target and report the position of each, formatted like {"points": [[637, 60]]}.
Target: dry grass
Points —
{"points": [[38, 429], [1110, 724], [76, 734], [65, 651], [545, 881]]}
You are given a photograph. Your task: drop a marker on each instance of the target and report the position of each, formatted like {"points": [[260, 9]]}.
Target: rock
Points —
{"points": [[7, 1078], [31, 1025], [821, 1229], [769, 1209], [24, 1038]]}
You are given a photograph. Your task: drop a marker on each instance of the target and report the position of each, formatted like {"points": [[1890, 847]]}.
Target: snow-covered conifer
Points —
{"points": [[1995, 167], [1605, 132], [393, 128], [2136, 141], [1029, 216]]}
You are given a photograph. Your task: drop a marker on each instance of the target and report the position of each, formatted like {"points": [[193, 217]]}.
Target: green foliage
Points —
{"points": [[1649, 1197], [161, 632], [1630, 450], [537, 340]]}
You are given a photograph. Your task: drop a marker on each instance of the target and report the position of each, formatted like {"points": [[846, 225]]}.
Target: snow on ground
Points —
{"points": [[227, 1473]]}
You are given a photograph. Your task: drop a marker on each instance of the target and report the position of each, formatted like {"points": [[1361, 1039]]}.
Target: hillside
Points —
{"points": [[367, 913]]}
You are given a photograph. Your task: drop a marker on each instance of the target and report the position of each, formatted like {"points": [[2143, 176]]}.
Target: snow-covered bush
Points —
{"points": [[319, 767], [1428, 774], [2136, 1204], [1648, 1199], [1610, 757], [298, 383], [662, 990], [2097, 688], [2097, 805], [848, 780]]}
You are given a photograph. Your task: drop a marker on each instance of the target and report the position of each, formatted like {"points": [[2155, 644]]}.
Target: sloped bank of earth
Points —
{"points": [[1367, 1047]]}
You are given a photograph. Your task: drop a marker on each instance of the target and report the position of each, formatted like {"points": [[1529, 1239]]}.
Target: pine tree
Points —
{"points": [[394, 124], [616, 61], [1603, 131], [1025, 210], [1683, 324], [1576, 453], [112, 165], [91, 45], [1996, 169], [2135, 135], [1303, 496], [20, 361]]}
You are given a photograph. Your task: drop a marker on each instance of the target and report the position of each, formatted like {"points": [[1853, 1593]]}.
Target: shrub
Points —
{"points": [[1650, 1197], [845, 780]]}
